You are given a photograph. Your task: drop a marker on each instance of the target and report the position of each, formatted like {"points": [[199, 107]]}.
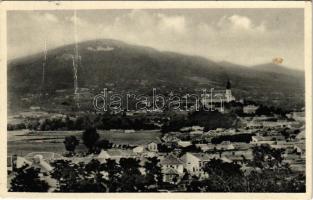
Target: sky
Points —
{"points": [[241, 36]]}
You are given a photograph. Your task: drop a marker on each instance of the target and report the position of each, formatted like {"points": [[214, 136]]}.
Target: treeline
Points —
{"points": [[99, 121], [207, 119]]}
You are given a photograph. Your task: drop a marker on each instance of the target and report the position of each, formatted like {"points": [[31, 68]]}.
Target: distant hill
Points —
{"points": [[124, 66], [277, 69]]}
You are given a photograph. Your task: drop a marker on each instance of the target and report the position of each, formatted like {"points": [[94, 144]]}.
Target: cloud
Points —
{"points": [[233, 35], [174, 23], [240, 23]]}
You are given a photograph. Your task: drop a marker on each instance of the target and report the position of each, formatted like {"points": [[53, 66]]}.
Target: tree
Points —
{"points": [[153, 172], [78, 177], [102, 144], [114, 176], [131, 178], [27, 180], [266, 157], [70, 143], [90, 137], [223, 176]]}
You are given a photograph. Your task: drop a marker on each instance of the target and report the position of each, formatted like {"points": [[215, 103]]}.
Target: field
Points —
{"points": [[25, 141]]}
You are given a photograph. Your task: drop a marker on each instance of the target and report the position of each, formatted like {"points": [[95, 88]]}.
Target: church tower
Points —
{"points": [[229, 96]]}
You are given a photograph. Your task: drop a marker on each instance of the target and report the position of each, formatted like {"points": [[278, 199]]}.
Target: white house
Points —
{"points": [[138, 149], [225, 145], [129, 131], [115, 154], [193, 162], [250, 109], [152, 146], [184, 143], [300, 149], [171, 161], [171, 166], [196, 132], [197, 128]]}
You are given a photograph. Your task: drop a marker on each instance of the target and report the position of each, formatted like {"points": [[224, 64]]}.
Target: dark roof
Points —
{"points": [[171, 160]]}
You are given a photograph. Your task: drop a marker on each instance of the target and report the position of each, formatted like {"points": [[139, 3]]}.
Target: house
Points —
{"points": [[254, 124], [193, 162], [301, 135], [250, 109], [299, 116], [184, 143], [170, 138], [40, 163], [205, 147], [34, 107], [197, 132], [242, 146], [225, 145], [170, 175], [192, 129], [185, 129], [129, 131], [300, 149], [266, 140], [138, 149], [47, 156], [152, 146], [239, 156], [172, 161], [85, 159], [197, 128], [115, 154]]}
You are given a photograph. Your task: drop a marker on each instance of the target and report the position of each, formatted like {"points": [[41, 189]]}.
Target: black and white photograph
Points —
{"points": [[157, 100]]}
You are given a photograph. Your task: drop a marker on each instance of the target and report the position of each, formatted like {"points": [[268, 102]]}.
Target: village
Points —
{"points": [[187, 150]]}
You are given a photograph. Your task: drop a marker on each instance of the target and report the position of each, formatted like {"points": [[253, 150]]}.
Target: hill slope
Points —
{"points": [[128, 66]]}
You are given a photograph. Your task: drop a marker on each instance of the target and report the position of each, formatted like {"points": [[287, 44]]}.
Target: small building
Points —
{"points": [[138, 149], [299, 116], [197, 128], [152, 146], [34, 107], [299, 149], [194, 162], [301, 135], [129, 131], [250, 109], [115, 154], [170, 175], [184, 143], [171, 161], [170, 138], [197, 132], [266, 140], [225, 145]]}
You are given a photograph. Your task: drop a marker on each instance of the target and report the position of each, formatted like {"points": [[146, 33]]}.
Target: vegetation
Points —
{"points": [[70, 143], [207, 119], [90, 138], [100, 121], [26, 179], [267, 174]]}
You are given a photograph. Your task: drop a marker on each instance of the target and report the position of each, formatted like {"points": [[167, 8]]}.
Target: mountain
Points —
{"points": [[124, 66], [277, 69]]}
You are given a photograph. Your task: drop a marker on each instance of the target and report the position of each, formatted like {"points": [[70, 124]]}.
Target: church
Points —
{"points": [[215, 99]]}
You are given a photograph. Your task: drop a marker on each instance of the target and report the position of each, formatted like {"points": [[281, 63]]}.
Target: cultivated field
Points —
{"points": [[25, 141]]}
